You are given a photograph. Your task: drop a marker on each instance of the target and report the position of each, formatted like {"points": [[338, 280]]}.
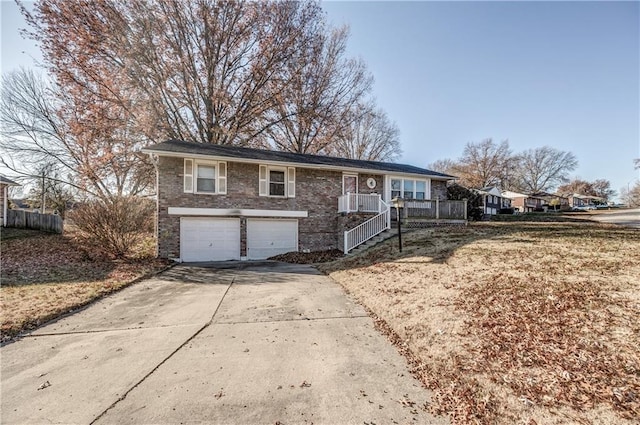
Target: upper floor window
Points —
{"points": [[207, 177], [277, 181]]}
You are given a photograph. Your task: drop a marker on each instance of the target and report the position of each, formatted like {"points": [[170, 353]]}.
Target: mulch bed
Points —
{"points": [[309, 257]]}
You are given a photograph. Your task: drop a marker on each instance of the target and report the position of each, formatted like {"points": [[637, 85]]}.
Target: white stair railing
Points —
{"points": [[370, 228], [358, 202]]}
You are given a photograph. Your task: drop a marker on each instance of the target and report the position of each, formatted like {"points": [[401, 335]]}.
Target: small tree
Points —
{"points": [[118, 224]]}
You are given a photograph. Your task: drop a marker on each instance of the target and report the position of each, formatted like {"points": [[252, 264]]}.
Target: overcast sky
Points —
{"points": [[563, 74]]}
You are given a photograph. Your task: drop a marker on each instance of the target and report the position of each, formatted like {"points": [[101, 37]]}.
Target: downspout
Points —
{"points": [[154, 161], [5, 192]]}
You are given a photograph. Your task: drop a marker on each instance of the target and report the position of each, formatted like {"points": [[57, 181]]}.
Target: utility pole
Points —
{"points": [[44, 194]]}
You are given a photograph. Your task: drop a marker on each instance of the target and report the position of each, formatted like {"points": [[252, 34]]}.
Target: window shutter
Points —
{"points": [[291, 182], [263, 186], [188, 175], [222, 177]]}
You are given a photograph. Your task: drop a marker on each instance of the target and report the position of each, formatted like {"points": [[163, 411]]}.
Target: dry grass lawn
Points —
{"points": [[45, 275], [512, 323]]}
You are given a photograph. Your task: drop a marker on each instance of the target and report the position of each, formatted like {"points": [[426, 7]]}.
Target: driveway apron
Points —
{"points": [[237, 343]]}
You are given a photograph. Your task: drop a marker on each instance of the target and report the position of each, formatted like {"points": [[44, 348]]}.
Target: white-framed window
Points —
{"points": [[277, 181], [205, 177], [409, 188]]}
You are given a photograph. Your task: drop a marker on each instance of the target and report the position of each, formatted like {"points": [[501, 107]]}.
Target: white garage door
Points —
{"points": [[266, 238], [209, 239]]}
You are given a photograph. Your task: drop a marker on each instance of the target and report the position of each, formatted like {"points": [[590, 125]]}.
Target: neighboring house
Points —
{"points": [[4, 196], [581, 201], [524, 203], [553, 201], [218, 202], [492, 200]]}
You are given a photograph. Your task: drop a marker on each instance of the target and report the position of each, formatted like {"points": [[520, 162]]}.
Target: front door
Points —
{"points": [[349, 184]]}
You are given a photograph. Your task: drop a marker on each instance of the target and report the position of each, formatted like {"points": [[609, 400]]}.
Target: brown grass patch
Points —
{"points": [[45, 275], [512, 322]]}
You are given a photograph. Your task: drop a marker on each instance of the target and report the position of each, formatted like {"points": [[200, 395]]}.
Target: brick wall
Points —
{"points": [[316, 192], [438, 190]]}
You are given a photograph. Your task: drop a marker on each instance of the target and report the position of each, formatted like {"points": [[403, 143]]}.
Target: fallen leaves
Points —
{"points": [[46, 275], [519, 322]]}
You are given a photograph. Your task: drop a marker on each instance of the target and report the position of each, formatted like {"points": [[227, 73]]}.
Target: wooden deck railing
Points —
{"points": [[435, 209]]}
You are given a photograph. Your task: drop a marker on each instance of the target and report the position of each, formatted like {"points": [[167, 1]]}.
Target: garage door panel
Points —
{"points": [[209, 239], [266, 238]]}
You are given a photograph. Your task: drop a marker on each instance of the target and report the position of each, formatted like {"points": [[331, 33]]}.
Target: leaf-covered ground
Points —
{"points": [[45, 275], [529, 323]]}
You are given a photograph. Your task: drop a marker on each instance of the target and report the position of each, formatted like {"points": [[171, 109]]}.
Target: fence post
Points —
{"points": [[437, 208], [465, 208]]}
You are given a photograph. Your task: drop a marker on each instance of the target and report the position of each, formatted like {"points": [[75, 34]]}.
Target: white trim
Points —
{"points": [[349, 175], [295, 164], [196, 164], [222, 212], [426, 180]]}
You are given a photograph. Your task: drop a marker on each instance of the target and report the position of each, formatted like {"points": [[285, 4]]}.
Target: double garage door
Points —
{"points": [[218, 239]]}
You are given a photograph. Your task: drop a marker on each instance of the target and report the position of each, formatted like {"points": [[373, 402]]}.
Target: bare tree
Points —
{"points": [[40, 125], [371, 136], [483, 164], [631, 195], [202, 70], [600, 188], [446, 166], [323, 89], [542, 169]]}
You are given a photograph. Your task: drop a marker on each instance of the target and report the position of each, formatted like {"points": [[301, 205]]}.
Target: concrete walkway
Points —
{"points": [[260, 343]]}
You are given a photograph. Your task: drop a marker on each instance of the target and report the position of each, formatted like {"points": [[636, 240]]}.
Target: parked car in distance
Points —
{"points": [[584, 208]]}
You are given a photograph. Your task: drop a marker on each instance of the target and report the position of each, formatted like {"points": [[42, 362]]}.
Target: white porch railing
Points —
{"points": [[357, 202], [370, 228]]}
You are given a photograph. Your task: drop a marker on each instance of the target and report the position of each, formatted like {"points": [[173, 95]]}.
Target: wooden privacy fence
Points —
{"points": [[32, 220], [435, 210]]}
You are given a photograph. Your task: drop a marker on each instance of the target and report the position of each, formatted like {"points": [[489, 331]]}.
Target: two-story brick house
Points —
{"points": [[220, 202]]}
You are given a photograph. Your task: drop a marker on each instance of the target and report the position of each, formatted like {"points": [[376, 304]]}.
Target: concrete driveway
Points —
{"points": [[250, 343]]}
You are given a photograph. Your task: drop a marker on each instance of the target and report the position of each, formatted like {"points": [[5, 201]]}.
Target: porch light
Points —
{"points": [[398, 203]]}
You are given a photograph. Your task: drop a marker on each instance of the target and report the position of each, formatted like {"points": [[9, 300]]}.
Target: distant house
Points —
{"points": [[553, 201], [523, 202], [492, 200], [4, 196], [576, 200]]}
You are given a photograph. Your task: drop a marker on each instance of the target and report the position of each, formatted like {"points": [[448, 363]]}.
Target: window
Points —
{"points": [[409, 188], [210, 177], [206, 180], [421, 189], [277, 181], [395, 188]]}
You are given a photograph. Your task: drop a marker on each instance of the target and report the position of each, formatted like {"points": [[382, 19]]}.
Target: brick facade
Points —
{"points": [[316, 191], [439, 190]]}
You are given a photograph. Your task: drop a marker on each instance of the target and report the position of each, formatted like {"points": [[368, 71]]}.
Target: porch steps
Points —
{"points": [[389, 233]]}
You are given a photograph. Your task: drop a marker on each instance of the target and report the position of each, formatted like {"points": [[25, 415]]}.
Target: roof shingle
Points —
{"points": [[228, 151]]}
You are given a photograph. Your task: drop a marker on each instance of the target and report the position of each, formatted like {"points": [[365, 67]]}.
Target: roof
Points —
{"points": [[180, 147], [8, 182], [490, 190]]}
